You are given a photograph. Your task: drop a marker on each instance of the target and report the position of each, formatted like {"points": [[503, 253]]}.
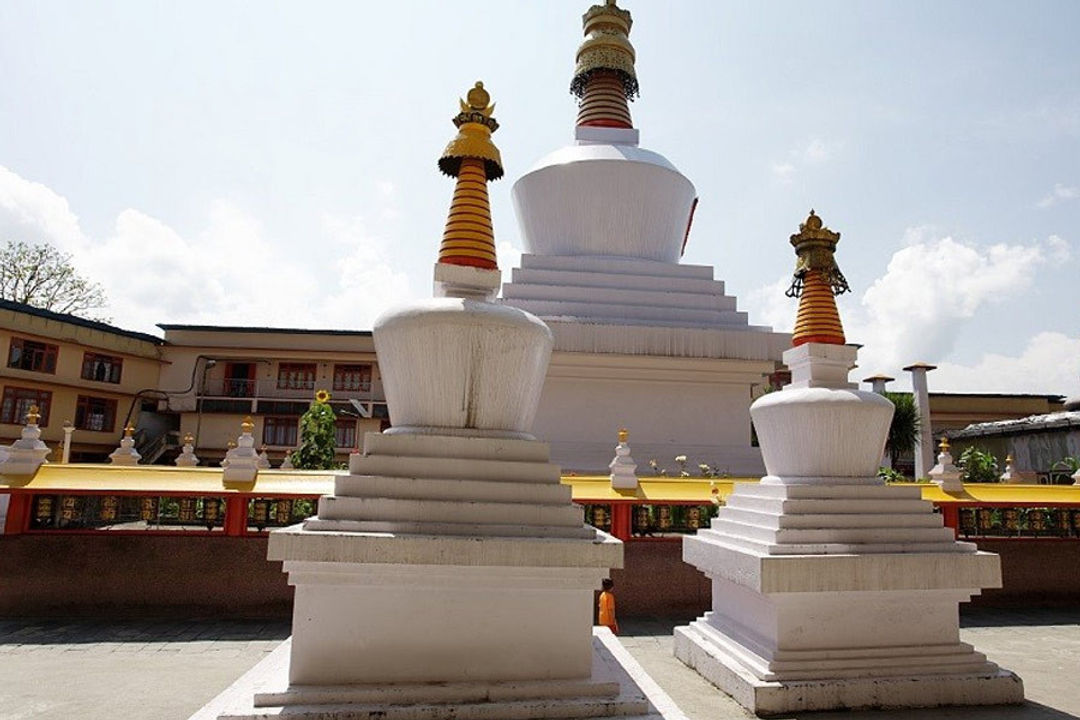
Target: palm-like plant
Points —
{"points": [[904, 430]]}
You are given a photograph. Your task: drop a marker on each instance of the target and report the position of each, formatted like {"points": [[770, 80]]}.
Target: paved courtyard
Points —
{"points": [[52, 669]]}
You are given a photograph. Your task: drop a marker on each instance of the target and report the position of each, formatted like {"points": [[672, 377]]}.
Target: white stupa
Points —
{"points": [[830, 589], [449, 575], [604, 223]]}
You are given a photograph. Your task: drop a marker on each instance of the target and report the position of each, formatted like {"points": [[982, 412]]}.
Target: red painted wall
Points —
{"points": [[166, 576]]}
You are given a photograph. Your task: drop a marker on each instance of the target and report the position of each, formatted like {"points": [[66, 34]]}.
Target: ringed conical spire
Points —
{"points": [[604, 78], [816, 283], [473, 159]]}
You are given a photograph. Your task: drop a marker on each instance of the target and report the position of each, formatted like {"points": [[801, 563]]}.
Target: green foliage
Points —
{"points": [[904, 429], [43, 277], [316, 451], [890, 475], [978, 466]]}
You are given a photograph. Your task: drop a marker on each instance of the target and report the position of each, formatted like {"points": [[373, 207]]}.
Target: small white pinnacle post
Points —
{"points": [[623, 467], [945, 473]]}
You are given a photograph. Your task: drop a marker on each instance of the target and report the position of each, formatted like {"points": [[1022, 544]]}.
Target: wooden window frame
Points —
{"points": [[343, 427], [344, 370], [114, 367], [284, 382], [43, 358], [274, 424], [83, 407], [14, 396]]}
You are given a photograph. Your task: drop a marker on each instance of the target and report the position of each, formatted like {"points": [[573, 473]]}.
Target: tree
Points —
{"points": [[904, 429], [44, 277], [317, 431]]}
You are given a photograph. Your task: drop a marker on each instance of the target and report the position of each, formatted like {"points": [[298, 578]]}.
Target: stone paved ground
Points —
{"points": [[89, 671]]}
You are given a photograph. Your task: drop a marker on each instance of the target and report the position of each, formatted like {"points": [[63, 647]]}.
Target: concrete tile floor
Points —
{"points": [[53, 669]]}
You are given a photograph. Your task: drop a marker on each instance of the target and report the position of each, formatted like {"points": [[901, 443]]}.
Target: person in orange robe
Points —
{"points": [[607, 606]]}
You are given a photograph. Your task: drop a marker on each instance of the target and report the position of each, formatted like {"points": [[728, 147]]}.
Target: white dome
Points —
{"points": [[604, 199]]}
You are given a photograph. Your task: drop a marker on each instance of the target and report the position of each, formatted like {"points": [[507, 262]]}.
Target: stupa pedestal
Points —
{"points": [[831, 589]]}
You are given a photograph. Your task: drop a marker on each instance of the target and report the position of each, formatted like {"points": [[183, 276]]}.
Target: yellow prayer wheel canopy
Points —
{"points": [[475, 125]]}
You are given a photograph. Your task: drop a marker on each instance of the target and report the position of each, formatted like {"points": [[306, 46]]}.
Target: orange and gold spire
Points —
{"points": [[473, 159], [817, 281], [604, 78]]}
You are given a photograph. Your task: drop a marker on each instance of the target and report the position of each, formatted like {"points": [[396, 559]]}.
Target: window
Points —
{"points": [[352, 377], [280, 431], [296, 376], [17, 402], [101, 368], [32, 355], [345, 433], [98, 414]]}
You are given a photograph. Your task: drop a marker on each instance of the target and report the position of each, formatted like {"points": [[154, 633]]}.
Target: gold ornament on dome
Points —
{"points": [[624, 435], [32, 415], [815, 246], [606, 48], [248, 425], [475, 124], [189, 439], [944, 444], [129, 431]]}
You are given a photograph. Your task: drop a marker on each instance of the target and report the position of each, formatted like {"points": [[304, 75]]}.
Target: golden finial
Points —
{"points": [[129, 431], [189, 439], [624, 434], [817, 280], [32, 415], [231, 444], [248, 425], [604, 76], [1009, 459], [944, 444], [475, 125]]}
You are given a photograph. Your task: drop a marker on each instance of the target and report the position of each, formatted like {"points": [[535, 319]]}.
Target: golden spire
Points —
{"points": [[817, 281], [944, 444], [247, 425], [624, 435], [129, 431], [473, 159], [32, 415], [189, 438], [604, 78]]}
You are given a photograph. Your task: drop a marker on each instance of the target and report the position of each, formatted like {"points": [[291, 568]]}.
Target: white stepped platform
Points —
{"points": [[833, 593], [422, 571], [617, 687], [622, 291]]}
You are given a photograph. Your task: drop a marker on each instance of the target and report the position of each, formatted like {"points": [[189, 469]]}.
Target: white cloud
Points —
{"points": [[1059, 194], [509, 257], [230, 273], [1060, 250], [816, 151], [930, 288], [768, 305], [31, 212], [1049, 363], [784, 172]]}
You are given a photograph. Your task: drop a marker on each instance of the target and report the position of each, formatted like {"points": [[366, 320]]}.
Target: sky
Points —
{"points": [[240, 163]]}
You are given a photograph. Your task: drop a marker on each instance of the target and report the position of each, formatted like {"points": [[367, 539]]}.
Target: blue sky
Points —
{"points": [[243, 163]]}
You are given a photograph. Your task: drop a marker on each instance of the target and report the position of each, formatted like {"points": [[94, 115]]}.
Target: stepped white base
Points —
{"points": [[617, 687], [830, 596], [731, 667]]}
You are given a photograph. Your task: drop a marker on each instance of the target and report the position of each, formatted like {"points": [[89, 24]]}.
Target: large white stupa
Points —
{"points": [[640, 339]]}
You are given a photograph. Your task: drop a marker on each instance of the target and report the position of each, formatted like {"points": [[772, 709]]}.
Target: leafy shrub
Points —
{"points": [[978, 466]]}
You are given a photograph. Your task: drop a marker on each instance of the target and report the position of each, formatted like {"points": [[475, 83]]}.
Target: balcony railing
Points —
{"points": [[293, 390]]}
